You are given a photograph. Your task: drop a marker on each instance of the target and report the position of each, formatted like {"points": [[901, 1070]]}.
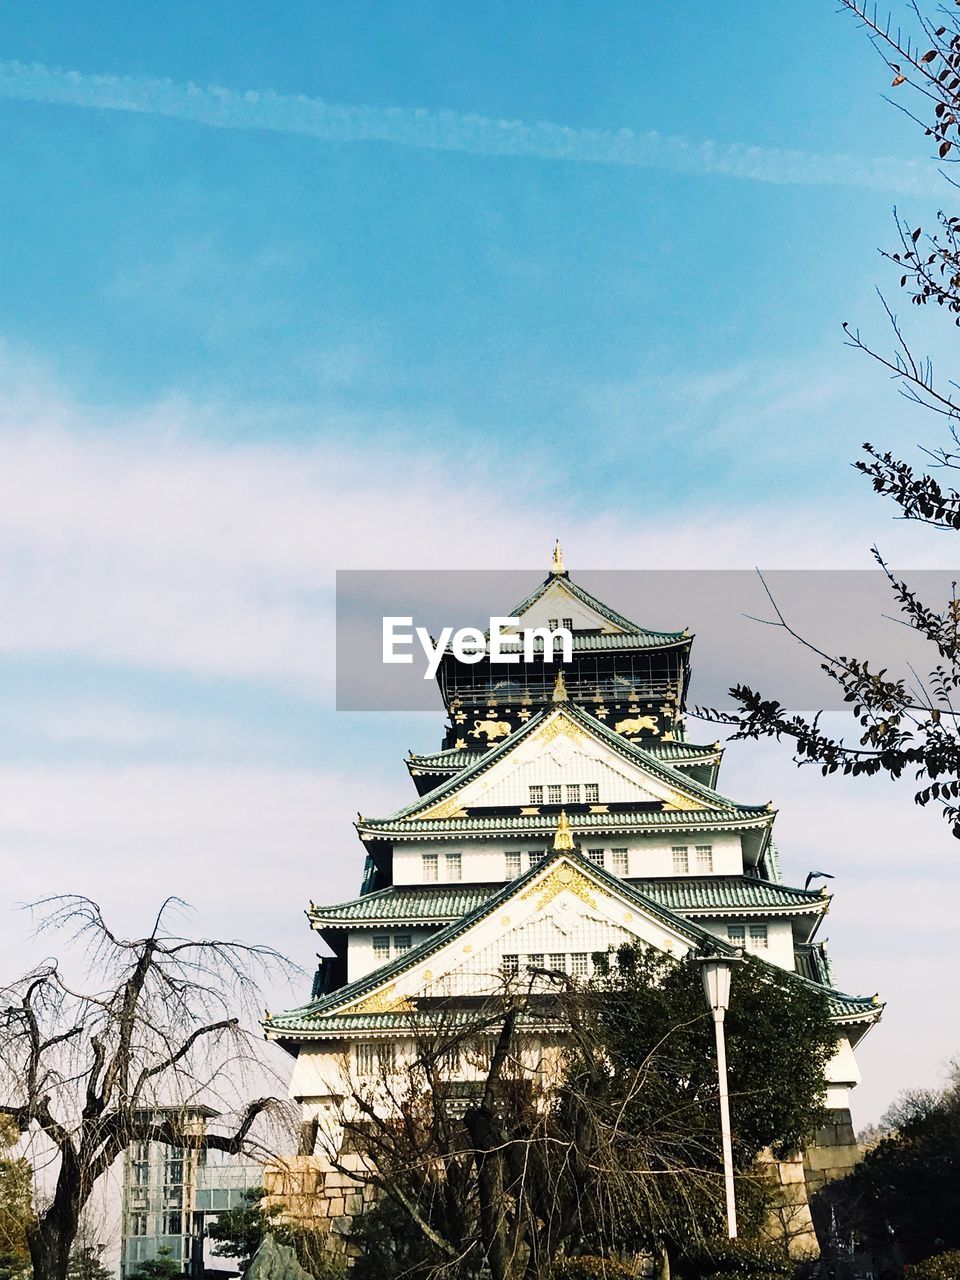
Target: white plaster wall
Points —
{"points": [[779, 948], [360, 956], [484, 862]]}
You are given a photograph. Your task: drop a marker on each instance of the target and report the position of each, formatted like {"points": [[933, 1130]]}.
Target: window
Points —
{"points": [[374, 1058], [591, 792], [558, 961], [595, 856], [736, 933], [449, 1059], [138, 1224], [388, 1056], [402, 942], [512, 861], [704, 858], [578, 964], [453, 866], [552, 623], [758, 937], [141, 1174], [174, 1172], [535, 961], [366, 1059], [430, 864], [381, 947], [172, 1224], [536, 795], [681, 860], [535, 856], [620, 864], [510, 965], [573, 793], [554, 795], [568, 623]]}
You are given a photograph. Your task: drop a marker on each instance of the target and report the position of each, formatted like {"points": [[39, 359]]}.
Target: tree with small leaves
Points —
{"points": [[906, 723]]}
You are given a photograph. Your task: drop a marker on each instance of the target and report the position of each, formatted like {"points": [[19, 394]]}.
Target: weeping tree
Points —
{"points": [[115, 1052], [907, 722]]}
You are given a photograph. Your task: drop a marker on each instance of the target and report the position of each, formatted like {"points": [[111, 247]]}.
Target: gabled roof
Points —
{"points": [[641, 637], [436, 804], [436, 904], [384, 976], [375, 993]]}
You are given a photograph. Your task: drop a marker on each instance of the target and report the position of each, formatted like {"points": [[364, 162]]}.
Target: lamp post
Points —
{"points": [[716, 987]]}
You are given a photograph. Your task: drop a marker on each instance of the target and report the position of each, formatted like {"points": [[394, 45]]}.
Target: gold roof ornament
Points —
{"points": [[557, 567], [563, 836], [560, 689]]}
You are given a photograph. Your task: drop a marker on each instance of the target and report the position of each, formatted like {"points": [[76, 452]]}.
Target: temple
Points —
{"points": [[566, 814]]}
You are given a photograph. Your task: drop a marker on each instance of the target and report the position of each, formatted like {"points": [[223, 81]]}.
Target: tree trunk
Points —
{"points": [[490, 1190], [50, 1240]]}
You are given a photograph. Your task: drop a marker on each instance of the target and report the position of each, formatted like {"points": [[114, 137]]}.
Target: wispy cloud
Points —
{"points": [[141, 543], [469, 133]]}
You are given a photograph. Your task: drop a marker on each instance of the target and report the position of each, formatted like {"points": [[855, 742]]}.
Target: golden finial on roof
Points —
{"points": [[563, 837], [560, 689], [557, 566]]}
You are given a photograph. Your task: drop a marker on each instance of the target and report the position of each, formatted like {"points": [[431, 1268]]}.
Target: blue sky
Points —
{"points": [[416, 285]]}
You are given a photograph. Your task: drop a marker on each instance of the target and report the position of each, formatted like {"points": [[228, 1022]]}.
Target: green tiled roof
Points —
{"points": [[302, 1023], [545, 825], [432, 904], [729, 893], [452, 758], [686, 751], [592, 642], [440, 904], [638, 636], [629, 751], [460, 758]]}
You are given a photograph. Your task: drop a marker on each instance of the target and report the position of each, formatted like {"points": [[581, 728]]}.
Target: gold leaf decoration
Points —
{"points": [[563, 877]]}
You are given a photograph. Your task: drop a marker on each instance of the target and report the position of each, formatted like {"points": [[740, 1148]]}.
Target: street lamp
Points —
{"points": [[715, 970]]}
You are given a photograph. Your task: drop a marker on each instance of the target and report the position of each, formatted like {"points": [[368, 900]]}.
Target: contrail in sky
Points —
{"points": [[458, 131]]}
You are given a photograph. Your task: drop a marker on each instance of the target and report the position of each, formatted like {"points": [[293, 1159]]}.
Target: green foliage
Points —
{"points": [[735, 1260], [85, 1264], [590, 1267], [903, 1199], [16, 1208], [778, 1035], [163, 1267], [942, 1266], [660, 1096], [238, 1233], [389, 1247]]}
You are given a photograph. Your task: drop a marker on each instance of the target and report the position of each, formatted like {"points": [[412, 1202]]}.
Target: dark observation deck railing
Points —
{"points": [[616, 689]]}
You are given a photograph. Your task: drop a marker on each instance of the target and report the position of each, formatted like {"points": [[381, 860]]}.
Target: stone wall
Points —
{"points": [[314, 1196], [833, 1151]]}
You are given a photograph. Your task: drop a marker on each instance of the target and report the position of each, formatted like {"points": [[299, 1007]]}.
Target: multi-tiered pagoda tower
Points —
{"points": [[472, 883]]}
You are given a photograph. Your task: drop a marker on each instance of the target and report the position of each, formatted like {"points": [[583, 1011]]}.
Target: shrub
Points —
{"points": [[589, 1267], [735, 1260], [942, 1266]]}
